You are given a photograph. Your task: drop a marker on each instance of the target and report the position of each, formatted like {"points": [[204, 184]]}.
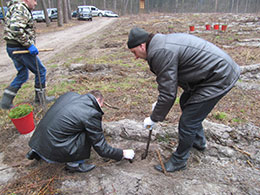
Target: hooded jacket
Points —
{"points": [[70, 127], [19, 25], [196, 65]]}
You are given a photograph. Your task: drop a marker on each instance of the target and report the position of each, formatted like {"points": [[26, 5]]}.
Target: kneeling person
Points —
{"points": [[68, 131]]}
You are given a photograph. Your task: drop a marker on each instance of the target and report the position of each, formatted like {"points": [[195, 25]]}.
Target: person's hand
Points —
{"points": [[33, 50], [128, 154], [154, 104], [148, 123]]}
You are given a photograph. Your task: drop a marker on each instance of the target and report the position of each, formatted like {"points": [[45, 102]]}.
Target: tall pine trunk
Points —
{"points": [[47, 19], [65, 11], [60, 14]]}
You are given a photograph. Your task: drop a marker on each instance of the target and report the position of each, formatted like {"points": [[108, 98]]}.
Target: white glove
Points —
{"points": [[128, 154], [154, 104], [148, 123]]}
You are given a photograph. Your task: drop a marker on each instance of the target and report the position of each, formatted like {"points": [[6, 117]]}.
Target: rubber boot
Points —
{"points": [[171, 166], [9, 95], [82, 167], [41, 94]]}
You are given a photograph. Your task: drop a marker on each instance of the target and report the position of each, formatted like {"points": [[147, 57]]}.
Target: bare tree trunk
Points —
{"points": [[176, 7], [2, 7], [125, 6], [104, 4], [46, 15], [49, 3], [115, 1], [60, 14], [232, 5], [237, 6], [69, 9], [65, 11], [147, 7], [246, 6], [84, 2], [3, 11], [216, 6]]}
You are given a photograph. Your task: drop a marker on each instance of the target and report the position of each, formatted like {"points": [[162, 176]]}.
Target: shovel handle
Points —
{"points": [[144, 155], [149, 139], [27, 51]]}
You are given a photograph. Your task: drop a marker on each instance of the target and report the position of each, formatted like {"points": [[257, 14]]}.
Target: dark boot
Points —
{"points": [[82, 167], [200, 148], [170, 166], [41, 94], [7, 99], [32, 155]]}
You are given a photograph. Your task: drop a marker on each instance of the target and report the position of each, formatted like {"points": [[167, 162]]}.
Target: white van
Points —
{"points": [[95, 11], [52, 13]]}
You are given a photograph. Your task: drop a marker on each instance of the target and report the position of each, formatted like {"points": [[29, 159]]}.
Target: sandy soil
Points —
{"points": [[59, 41]]}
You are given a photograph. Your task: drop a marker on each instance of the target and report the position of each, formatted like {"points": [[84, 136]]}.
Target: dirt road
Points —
{"points": [[58, 40]]}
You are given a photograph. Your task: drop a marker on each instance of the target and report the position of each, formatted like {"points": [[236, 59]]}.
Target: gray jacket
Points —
{"points": [[194, 64]]}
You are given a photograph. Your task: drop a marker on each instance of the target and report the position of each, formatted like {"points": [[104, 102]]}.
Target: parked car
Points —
{"points": [[84, 13], [74, 14], [38, 16], [95, 11], [1, 13], [52, 13], [110, 14]]}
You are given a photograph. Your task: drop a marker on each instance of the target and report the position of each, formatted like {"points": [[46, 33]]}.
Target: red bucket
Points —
{"points": [[24, 124], [192, 28], [208, 26], [224, 27], [216, 26]]}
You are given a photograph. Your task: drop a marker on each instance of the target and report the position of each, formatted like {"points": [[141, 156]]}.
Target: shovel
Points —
{"points": [[144, 155], [41, 93]]}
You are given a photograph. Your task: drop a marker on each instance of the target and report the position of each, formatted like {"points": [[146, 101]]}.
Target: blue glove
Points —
{"points": [[33, 50]]}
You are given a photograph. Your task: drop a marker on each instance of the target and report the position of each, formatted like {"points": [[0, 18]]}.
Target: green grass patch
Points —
{"points": [[53, 66], [220, 115], [237, 120], [165, 138]]}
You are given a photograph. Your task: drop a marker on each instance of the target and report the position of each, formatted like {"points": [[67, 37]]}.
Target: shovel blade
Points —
{"points": [[144, 155]]}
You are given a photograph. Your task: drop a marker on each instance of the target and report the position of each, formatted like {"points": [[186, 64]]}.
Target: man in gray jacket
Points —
{"points": [[68, 131], [204, 72]]}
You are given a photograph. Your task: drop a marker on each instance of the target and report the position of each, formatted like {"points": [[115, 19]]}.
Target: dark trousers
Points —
{"points": [[190, 126]]}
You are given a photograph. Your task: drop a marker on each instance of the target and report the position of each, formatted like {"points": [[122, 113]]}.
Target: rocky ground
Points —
{"points": [[231, 162]]}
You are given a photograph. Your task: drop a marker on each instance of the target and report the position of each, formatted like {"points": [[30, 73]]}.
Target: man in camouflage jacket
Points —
{"points": [[19, 34]]}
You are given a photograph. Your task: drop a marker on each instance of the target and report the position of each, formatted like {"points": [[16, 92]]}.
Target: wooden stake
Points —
{"points": [[161, 162], [243, 152], [108, 105]]}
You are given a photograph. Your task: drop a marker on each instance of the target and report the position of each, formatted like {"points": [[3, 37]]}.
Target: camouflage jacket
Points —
{"points": [[19, 25]]}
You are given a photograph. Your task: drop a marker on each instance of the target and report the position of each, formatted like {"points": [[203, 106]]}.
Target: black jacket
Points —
{"points": [[69, 129], [196, 65]]}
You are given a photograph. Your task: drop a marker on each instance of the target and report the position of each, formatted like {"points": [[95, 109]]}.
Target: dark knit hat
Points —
{"points": [[136, 37]]}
